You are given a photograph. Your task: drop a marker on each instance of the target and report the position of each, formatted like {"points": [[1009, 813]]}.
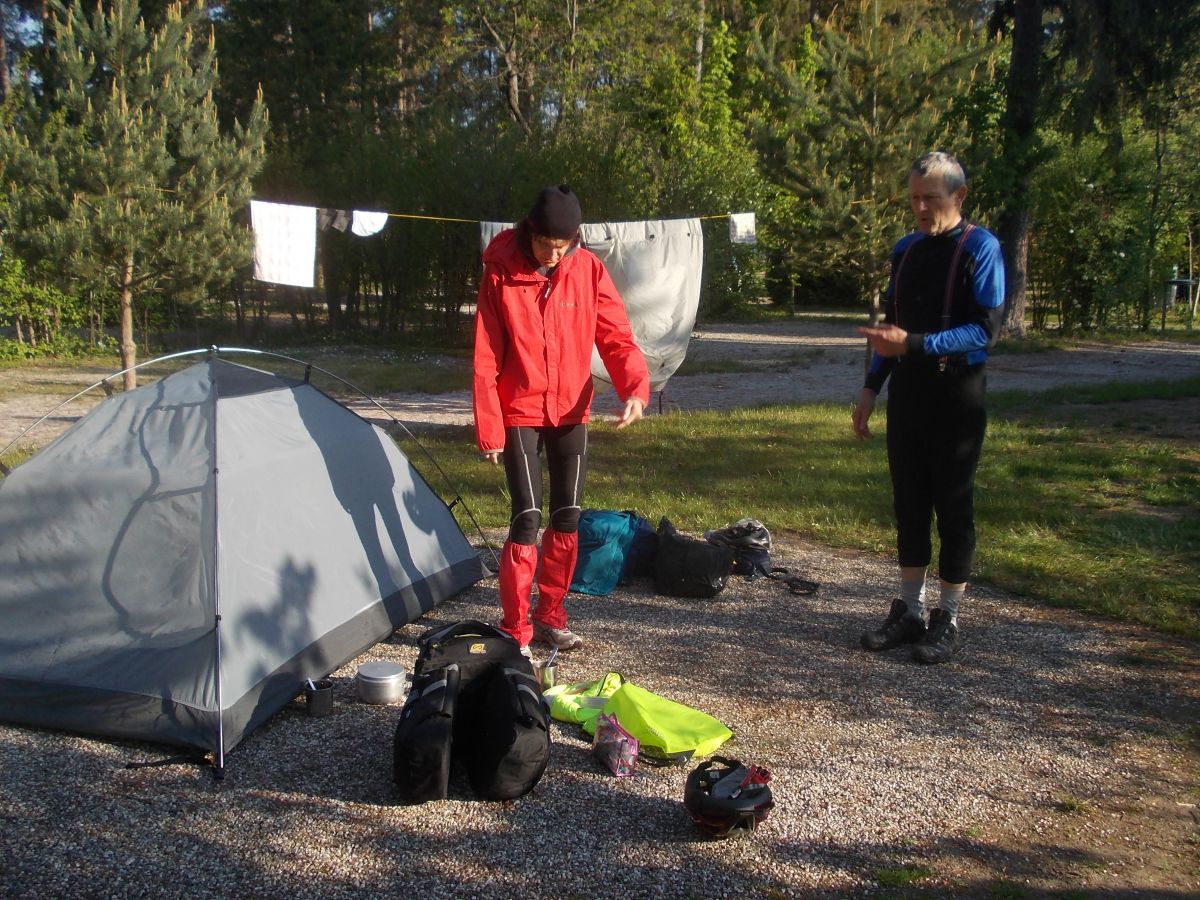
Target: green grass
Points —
{"points": [[42, 376], [1105, 520], [1072, 805], [378, 371], [374, 371], [106, 361], [1110, 392], [902, 876]]}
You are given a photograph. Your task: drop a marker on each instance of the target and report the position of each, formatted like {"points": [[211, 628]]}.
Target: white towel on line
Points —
{"points": [[365, 223], [741, 228], [285, 242]]}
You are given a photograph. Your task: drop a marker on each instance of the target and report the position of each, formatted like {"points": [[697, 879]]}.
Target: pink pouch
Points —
{"points": [[615, 747]]}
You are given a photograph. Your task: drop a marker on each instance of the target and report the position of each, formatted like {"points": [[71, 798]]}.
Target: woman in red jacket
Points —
{"points": [[544, 302]]}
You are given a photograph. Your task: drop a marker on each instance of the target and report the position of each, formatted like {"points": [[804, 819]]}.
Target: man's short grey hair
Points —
{"points": [[939, 163]]}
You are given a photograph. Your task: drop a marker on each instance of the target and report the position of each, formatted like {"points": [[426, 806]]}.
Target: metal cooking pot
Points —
{"points": [[380, 682]]}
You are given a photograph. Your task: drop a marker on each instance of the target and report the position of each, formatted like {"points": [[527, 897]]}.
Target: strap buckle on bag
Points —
{"points": [[801, 587]]}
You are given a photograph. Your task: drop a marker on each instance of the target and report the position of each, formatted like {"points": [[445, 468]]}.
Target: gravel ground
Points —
{"points": [[1056, 756], [1023, 764]]}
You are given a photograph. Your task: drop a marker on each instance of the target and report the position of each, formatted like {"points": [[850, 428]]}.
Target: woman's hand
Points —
{"points": [[493, 456], [634, 407]]}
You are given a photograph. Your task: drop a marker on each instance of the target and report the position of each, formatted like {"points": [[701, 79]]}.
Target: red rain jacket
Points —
{"points": [[534, 337]]}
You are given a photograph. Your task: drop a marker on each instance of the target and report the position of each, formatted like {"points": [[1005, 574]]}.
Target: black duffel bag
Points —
{"points": [[687, 567], [422, 748], [474, 699]]}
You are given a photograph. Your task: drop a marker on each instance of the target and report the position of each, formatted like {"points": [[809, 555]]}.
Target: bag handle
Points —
{"points": [[465, 628], [513, 695]]}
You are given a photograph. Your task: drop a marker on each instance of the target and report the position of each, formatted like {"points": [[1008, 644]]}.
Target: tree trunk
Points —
{"points": [[128, 345], [1153, 227], [511, 74], [700, 44], [3, 57], [1019, 125], [1193, 292]]}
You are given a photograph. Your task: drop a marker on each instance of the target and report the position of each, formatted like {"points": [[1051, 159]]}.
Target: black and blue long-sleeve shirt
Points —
{"points": [[916, 298]]}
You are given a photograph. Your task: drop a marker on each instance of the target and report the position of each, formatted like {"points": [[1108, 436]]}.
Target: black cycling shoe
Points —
{"points": [[900, 627], [940, 641]]}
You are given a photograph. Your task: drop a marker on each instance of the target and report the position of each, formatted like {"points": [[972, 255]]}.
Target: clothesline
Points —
{"points": [[481, 221], [285, 235], [393, 215]]}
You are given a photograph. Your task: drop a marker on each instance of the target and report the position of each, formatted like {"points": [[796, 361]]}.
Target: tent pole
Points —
{"points": [[219, 755], [309, 368], [104, 383]]}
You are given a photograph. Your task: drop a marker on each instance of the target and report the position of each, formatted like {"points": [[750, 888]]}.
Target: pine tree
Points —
{"points": [[1090, 60], [846, 114], [121, 177]]}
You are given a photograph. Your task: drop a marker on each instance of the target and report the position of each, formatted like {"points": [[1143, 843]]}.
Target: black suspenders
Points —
{"points": [[949, 295]]}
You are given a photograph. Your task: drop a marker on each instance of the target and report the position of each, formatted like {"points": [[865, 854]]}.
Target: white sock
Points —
{"points": [[949, 600], [913, 595]]}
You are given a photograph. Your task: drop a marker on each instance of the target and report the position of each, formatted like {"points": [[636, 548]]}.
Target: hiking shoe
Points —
{"points": [[900, 627], [940, 641], [561, 638]]}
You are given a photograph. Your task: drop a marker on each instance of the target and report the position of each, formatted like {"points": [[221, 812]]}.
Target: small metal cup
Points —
{"points": [[319, 698], [546, 676]]}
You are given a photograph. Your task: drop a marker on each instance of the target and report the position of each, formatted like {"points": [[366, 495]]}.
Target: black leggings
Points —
{"points": [[936, 423], [566, 458]]}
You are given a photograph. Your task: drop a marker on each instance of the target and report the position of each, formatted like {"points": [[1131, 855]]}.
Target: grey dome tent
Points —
{"points": [[177, 563]]}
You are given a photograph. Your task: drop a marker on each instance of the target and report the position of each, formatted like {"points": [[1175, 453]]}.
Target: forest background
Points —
{"points": [[135, 135]]}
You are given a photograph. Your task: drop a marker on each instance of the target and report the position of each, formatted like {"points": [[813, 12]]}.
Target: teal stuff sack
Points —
{"points": [[640, 559], [605, 539]]}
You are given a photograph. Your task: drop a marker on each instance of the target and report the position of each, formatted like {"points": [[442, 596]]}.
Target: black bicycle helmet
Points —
{"points": [[725, 797], [744, 534]]}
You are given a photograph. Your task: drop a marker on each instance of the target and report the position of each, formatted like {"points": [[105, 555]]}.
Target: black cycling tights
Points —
{"points": [[566, 459], [935, 428]]}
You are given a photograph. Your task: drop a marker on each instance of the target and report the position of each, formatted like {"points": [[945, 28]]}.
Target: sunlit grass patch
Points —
{"points": [[1111, 526]]}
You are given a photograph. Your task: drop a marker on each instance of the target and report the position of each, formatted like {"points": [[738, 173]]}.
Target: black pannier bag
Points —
{"points": [[687, 567], [510, 735], [424, 736], [499, 726]]}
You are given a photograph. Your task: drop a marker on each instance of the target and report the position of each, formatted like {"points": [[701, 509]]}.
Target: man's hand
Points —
{"points": [[862, 413], [634, 407], [493, 456], [886, 340]]}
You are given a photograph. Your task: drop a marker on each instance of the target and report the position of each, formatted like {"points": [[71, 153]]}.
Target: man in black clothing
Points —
{"points": [[945, 304]]}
